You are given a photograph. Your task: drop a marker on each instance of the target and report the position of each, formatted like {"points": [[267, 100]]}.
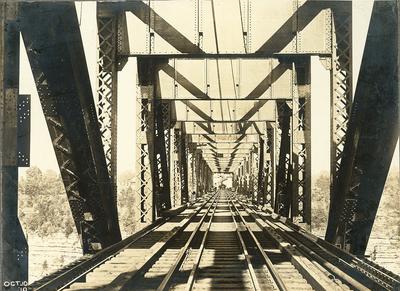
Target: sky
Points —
{"points": [[42, 153]]}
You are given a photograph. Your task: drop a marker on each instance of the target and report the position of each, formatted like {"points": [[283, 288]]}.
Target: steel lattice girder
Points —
{"points": [[371, 137], [184, 162], [342, 83], [270, 165], [261, 28], [107, 23], [57, 59], [161, 155], [175, 167], [261, 172], [301, 141], [284, 169], [153, 141]]}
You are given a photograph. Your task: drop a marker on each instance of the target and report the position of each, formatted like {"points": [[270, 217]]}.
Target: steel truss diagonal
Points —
{"points": [[371, 137], [71, 118]]}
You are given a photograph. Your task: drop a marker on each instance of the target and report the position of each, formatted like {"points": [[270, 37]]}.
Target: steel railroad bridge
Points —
{"points": [[224, 87]]}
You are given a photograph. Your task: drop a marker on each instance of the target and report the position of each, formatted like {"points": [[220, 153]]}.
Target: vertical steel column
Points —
{"points": [[262, 172], [246, 176], [253, 172], [184, 161], [202, 175], [144, 141], [160, 156], [284, 171], [301, 142], [240, 179], [341, 83], [13, 245], [175, 167], [199, 173], [107, 23], [192, 170], [270, 167]]}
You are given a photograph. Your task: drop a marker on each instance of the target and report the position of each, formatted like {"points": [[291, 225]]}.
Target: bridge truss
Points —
{"points": [[217, 92]]}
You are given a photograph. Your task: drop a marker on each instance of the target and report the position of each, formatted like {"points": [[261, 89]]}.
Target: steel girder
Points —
{"points": [[270, 166], [192, 166], [371, 137], [13, 245], [144, 179], [254, 173], [284, 167], [111, 26], [301, 142], [161, 156], [262, 175], [55, 51], [175, 167], [153, 145], [341, 83], [184, 161]]}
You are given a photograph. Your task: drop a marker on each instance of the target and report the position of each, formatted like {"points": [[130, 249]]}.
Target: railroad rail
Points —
{"points": [[223, 243]]}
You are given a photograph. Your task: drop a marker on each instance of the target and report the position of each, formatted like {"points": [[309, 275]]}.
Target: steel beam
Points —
{"points": [[13, 245], [55, 51], [371, 137]]}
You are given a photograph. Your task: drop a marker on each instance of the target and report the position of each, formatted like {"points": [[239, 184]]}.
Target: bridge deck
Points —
{"points": [[220, 242]]}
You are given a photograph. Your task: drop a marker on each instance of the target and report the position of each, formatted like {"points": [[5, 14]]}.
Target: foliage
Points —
{"points": [[126, 203], [320, 203], [44, 208], [43, 204]]}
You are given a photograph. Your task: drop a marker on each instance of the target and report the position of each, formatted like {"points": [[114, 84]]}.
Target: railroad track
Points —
{"points": [[113, 266], [221, 243], [359, 273]]}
